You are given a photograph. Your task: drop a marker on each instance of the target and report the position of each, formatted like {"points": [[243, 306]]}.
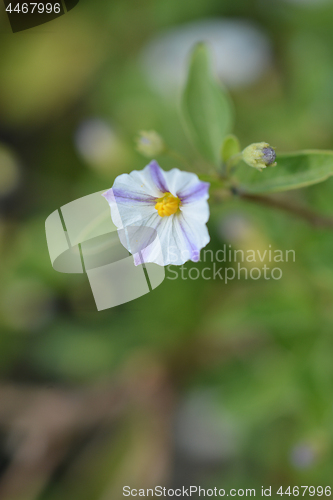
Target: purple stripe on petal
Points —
{"points": [[144, 242], [124, 196], [195, 193], [194, 250], [158, 177]]}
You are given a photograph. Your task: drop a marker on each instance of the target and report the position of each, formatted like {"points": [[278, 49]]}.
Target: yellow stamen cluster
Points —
{"points": [[167, 205]]}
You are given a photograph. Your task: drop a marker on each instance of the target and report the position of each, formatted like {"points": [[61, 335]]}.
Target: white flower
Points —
{"points": [[172, 204]]}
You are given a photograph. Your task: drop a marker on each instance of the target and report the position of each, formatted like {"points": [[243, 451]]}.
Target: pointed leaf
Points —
{"points": [[206, 107], [230, 147], [293, 171]]}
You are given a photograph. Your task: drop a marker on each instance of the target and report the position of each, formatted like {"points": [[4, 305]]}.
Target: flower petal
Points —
{"points": [[131, 209], [194, 193], [157, 176], [143, 243], [194, 236], [123, 195], [146, 245], [133, 196], [159, 250], [185, 184], [179, 240], [148, 181], [197, 211]]}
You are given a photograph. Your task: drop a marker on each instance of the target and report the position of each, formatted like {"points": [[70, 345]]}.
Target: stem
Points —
{"points": [[313, 218], [233, 160]]}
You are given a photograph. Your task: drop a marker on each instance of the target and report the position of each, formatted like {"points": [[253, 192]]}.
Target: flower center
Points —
{"points": [[167, 205]]}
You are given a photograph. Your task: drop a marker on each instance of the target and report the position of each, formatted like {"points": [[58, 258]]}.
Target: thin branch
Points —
{"points": [[313, 218]]}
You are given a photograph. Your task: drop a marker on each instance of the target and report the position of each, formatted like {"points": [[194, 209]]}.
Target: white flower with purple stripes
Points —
{"points": [[173, 204]]}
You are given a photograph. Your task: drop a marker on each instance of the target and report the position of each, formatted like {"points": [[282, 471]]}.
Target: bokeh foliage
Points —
{"points": [[247, 365]]}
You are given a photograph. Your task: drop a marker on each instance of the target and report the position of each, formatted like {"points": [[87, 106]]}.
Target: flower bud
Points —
{"points": [[150, 144], [259, 155]]}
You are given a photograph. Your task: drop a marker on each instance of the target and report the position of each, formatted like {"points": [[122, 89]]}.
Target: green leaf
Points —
{"points": [[206, 107], [230, 147], [293, 171]]}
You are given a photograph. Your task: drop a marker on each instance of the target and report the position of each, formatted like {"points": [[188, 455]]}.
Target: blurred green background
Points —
{"points": [[198, 382]]}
